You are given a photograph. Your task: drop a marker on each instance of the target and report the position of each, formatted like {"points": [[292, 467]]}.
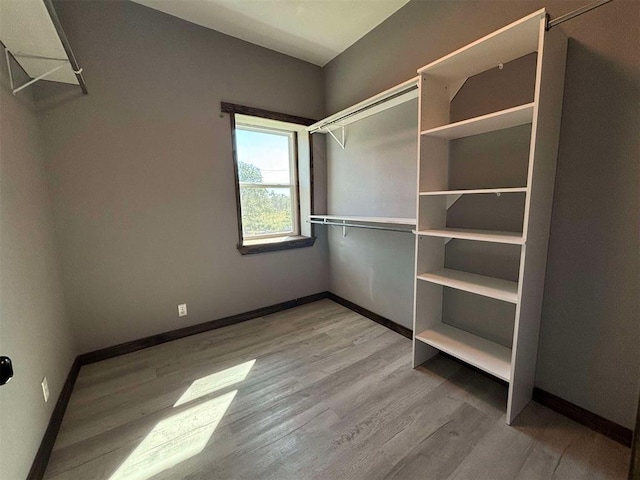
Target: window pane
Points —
{"points": [[262, 157], [265, 211]]}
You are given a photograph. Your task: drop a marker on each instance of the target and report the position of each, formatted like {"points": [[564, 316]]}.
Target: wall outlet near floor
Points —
{"points": [[182, 310], [45, 389]]}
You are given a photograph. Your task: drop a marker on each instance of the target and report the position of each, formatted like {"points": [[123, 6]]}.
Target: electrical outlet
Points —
{"points": [[182, 310], [45, 389]]}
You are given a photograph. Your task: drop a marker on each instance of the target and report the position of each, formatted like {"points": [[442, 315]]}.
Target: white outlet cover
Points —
{"points": [[45, 389], [182, 310]]}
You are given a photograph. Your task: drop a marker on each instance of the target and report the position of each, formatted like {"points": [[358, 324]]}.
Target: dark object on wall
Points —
{"points": [[6, 370]]}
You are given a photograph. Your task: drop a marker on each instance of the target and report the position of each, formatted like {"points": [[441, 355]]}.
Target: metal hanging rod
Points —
{"points": [[404, 91], [356, 225], [575, 13], [66, 45]]}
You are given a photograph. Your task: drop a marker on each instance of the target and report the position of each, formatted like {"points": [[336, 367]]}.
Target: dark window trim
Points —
{"points": [[300, 242], [258, 112]]}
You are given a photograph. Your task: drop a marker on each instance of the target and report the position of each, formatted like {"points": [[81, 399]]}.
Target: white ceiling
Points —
{"points": [[311, 30]]}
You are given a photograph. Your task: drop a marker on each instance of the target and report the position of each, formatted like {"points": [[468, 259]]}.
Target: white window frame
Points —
{"points": [[293, 179]]}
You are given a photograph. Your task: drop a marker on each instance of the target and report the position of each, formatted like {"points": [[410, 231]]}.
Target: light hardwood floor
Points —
{"points": [[316, 392]]}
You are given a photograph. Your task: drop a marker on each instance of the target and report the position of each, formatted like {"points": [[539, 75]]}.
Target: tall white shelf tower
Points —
{"points": [[439, 81]]}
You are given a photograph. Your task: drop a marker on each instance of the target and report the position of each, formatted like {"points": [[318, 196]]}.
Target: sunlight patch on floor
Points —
{"points": [[184, 434], [216, 381]]}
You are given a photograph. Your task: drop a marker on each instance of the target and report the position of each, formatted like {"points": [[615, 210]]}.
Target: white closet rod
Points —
{"points": [[355, 225], [404, 91]]}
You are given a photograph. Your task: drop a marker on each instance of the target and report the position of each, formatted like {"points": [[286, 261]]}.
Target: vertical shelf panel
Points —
{"points": [[545, 136]]}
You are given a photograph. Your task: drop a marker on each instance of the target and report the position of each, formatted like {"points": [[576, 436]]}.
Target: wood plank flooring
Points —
{"points": [[315, 392]]}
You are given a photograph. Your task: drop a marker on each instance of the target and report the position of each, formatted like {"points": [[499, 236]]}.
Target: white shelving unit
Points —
{"points": [[433, 330], [390, 98]]}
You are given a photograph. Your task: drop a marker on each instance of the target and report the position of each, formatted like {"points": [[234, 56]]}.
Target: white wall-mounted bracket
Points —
{"points": [[339, 140], [421, 237], [455, 87], [14, 89], [337, 224], [451, 199]]}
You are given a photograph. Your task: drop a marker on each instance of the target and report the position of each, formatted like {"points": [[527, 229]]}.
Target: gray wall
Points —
{"points": [[375, 175], [34, 330], [141, 173], [588, 351]]}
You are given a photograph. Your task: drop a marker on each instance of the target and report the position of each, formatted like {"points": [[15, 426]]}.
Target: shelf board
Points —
{"points": [[476, 191], [511, 117], [29, 32], [474, 350], [494, 236], [382, 101], [380, 220], [470, 282], [510, 42]]}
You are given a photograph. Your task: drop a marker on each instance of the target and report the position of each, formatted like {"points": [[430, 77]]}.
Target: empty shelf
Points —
{"points": [[477, 191], [389, 98], [511, 117], [473, 283], [477, 351], [504, 45], [513, 238]]}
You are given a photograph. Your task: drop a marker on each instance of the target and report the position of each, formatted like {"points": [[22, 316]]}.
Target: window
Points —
{"points": [[267, 177], [272, 165]]}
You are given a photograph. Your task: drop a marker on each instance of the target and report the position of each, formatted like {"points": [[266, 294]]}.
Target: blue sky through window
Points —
{"points": [[267, 151]]}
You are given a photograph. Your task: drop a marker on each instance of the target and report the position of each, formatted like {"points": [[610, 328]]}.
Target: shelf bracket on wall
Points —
{"points": [[33, 40], [451, 199], [14, 89], [339, 140], [455, 87], [446, 239]]}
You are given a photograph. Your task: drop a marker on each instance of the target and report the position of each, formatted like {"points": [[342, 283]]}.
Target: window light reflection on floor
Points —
{"points": [[184, 434], [216, 381]]}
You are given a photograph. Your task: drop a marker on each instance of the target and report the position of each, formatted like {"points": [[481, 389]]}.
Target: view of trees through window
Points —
{"points": [[266, 188]]}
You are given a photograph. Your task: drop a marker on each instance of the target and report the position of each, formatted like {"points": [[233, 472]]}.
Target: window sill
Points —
{"points": [[275, 244]]}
